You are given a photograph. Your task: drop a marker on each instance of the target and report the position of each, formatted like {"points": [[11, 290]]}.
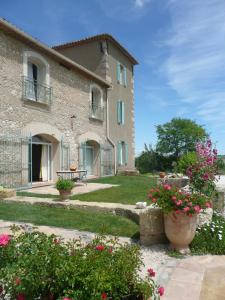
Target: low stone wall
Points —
{"points": [[7, 193], [178, 182]]}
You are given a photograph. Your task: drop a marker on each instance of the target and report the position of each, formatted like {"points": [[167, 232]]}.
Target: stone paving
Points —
{"points": [[80, 188]]}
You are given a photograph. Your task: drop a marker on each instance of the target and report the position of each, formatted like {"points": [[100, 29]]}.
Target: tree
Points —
{"points": [[178, 137]]}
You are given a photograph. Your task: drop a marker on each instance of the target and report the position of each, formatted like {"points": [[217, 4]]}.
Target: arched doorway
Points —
{"points": [[89, 157], [41, 159]]}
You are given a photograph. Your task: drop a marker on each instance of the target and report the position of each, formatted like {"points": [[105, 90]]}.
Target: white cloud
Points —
{"points": [[195, 68], [141, 3]]}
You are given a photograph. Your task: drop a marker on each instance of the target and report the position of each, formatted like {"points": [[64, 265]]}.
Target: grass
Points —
{"points": [[131, 189], [73, 219]]}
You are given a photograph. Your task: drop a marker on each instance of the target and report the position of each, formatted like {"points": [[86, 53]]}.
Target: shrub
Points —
{"points": [[210, 239], [186, 161], [36, 266], [64, 184]]}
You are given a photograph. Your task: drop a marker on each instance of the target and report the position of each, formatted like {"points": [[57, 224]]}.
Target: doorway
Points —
{"points": [[41, 160], [89, 159]]}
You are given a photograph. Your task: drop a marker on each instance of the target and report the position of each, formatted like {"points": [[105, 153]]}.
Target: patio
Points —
{"points": [[80, 188]]}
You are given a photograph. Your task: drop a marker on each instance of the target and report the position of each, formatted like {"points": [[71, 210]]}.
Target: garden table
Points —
{"points": [[78, 175]]}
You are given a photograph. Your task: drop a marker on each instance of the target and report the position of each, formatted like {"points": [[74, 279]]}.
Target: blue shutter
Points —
{"points": [[122, 113], [126, 153], [119, 112], [119, 153], [125, 76], [118, 72]]}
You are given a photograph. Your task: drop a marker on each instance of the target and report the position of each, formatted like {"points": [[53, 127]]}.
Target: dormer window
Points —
{"points": [[96, 103], [36, 78]]}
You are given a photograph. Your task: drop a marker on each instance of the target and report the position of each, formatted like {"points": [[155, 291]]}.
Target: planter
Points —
{"points": [[64, 194], [162, 174], [180, 230]]}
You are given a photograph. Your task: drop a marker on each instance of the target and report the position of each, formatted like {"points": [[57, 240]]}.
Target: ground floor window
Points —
{"points": [[122, 151]]}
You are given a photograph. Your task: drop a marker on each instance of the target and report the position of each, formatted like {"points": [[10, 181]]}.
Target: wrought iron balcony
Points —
{"points": [[35, 91], [97, 112]]}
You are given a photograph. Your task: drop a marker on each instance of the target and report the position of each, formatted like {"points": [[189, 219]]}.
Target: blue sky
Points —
{"points": [[179, 44]]}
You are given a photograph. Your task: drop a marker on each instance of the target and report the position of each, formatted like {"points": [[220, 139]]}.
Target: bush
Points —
{"points": [[185, 161], [210, 239], [64, 184], [36, 266]]}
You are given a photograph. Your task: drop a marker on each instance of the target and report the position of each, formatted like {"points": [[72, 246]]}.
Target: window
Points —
{"points": [[96, 107], [122, 149], [120, 112], [121, 74], [36, 78]]}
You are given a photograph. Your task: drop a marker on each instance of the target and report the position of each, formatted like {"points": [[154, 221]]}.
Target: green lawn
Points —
{"points": [[74, 219], [131, 189]]}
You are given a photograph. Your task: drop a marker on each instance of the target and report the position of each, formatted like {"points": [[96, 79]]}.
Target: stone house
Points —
{"points": [[72, 103]]}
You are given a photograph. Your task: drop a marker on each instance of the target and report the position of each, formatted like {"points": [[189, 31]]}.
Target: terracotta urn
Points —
{"points": [[64, 194], [180, 230]]}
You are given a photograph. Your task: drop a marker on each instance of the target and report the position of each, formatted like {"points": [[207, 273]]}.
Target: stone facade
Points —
{"points": [[67, 118], [101, 55]]}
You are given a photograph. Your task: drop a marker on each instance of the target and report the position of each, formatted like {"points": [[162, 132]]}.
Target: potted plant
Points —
{"points": [[180, 214], [64, 186]]}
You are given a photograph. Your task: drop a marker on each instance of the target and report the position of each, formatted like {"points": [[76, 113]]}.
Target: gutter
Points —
{"points": [[107, 130]]}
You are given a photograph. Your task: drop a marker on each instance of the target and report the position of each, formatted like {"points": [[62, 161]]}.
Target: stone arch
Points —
{"points": [[91, 136], [44, 129]]}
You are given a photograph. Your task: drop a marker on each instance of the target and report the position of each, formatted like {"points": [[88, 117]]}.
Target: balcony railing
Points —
{"points": [[97, 112], [35, 91]]}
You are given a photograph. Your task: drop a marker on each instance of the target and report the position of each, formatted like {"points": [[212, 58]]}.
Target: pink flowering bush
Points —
{"points": [[202, 173], [36, 266], [169, 198]]}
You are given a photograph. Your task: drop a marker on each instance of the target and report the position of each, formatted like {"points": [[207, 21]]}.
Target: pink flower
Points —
{"points": [[161, 291], [154, 200], [100, 247], [177, 211], [179, 202], [66, 298], [20, 297], [149, 195], [104, 296], [185, 209], [4, 239], [167, 187], [208, 205], [197, 209], [174, 198], [190, 203], [17, 281], [151, 272], [205, 177]]}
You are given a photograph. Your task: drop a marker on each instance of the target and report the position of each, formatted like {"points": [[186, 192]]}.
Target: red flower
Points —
{"points": [[56, 241], [161, 291], [100, 247], [151, 272], [104, 296], [20, 297], [4, 239], [167, 187], [154, 200], [1, 290], [110, 249], [17, 281]]}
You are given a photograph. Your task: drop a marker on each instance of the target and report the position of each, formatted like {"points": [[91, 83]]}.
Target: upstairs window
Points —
{"points": [[122, 151], [36, 78], [120, 112], [121, 74], [96, 106]]}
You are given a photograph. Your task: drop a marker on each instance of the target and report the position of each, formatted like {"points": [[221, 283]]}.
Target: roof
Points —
{"points": [[24, 37], [99, 37]]}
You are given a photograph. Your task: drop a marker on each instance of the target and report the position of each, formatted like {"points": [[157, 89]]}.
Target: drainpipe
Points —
{"points": [[107, 130]]}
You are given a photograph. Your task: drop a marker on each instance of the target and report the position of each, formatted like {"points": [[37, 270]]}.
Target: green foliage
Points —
{"points": [[151, 161], [170, 199], [186, 161], [64, 184], [210, 239], [178, 136], [221, 165], [38, 266]]}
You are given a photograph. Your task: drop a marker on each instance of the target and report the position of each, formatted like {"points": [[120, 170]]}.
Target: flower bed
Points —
{"points": [[36, 266]]}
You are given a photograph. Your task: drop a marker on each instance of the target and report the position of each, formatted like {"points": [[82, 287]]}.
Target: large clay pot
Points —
{"points": [[64, 194], [162, 174], [180, 230]]}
